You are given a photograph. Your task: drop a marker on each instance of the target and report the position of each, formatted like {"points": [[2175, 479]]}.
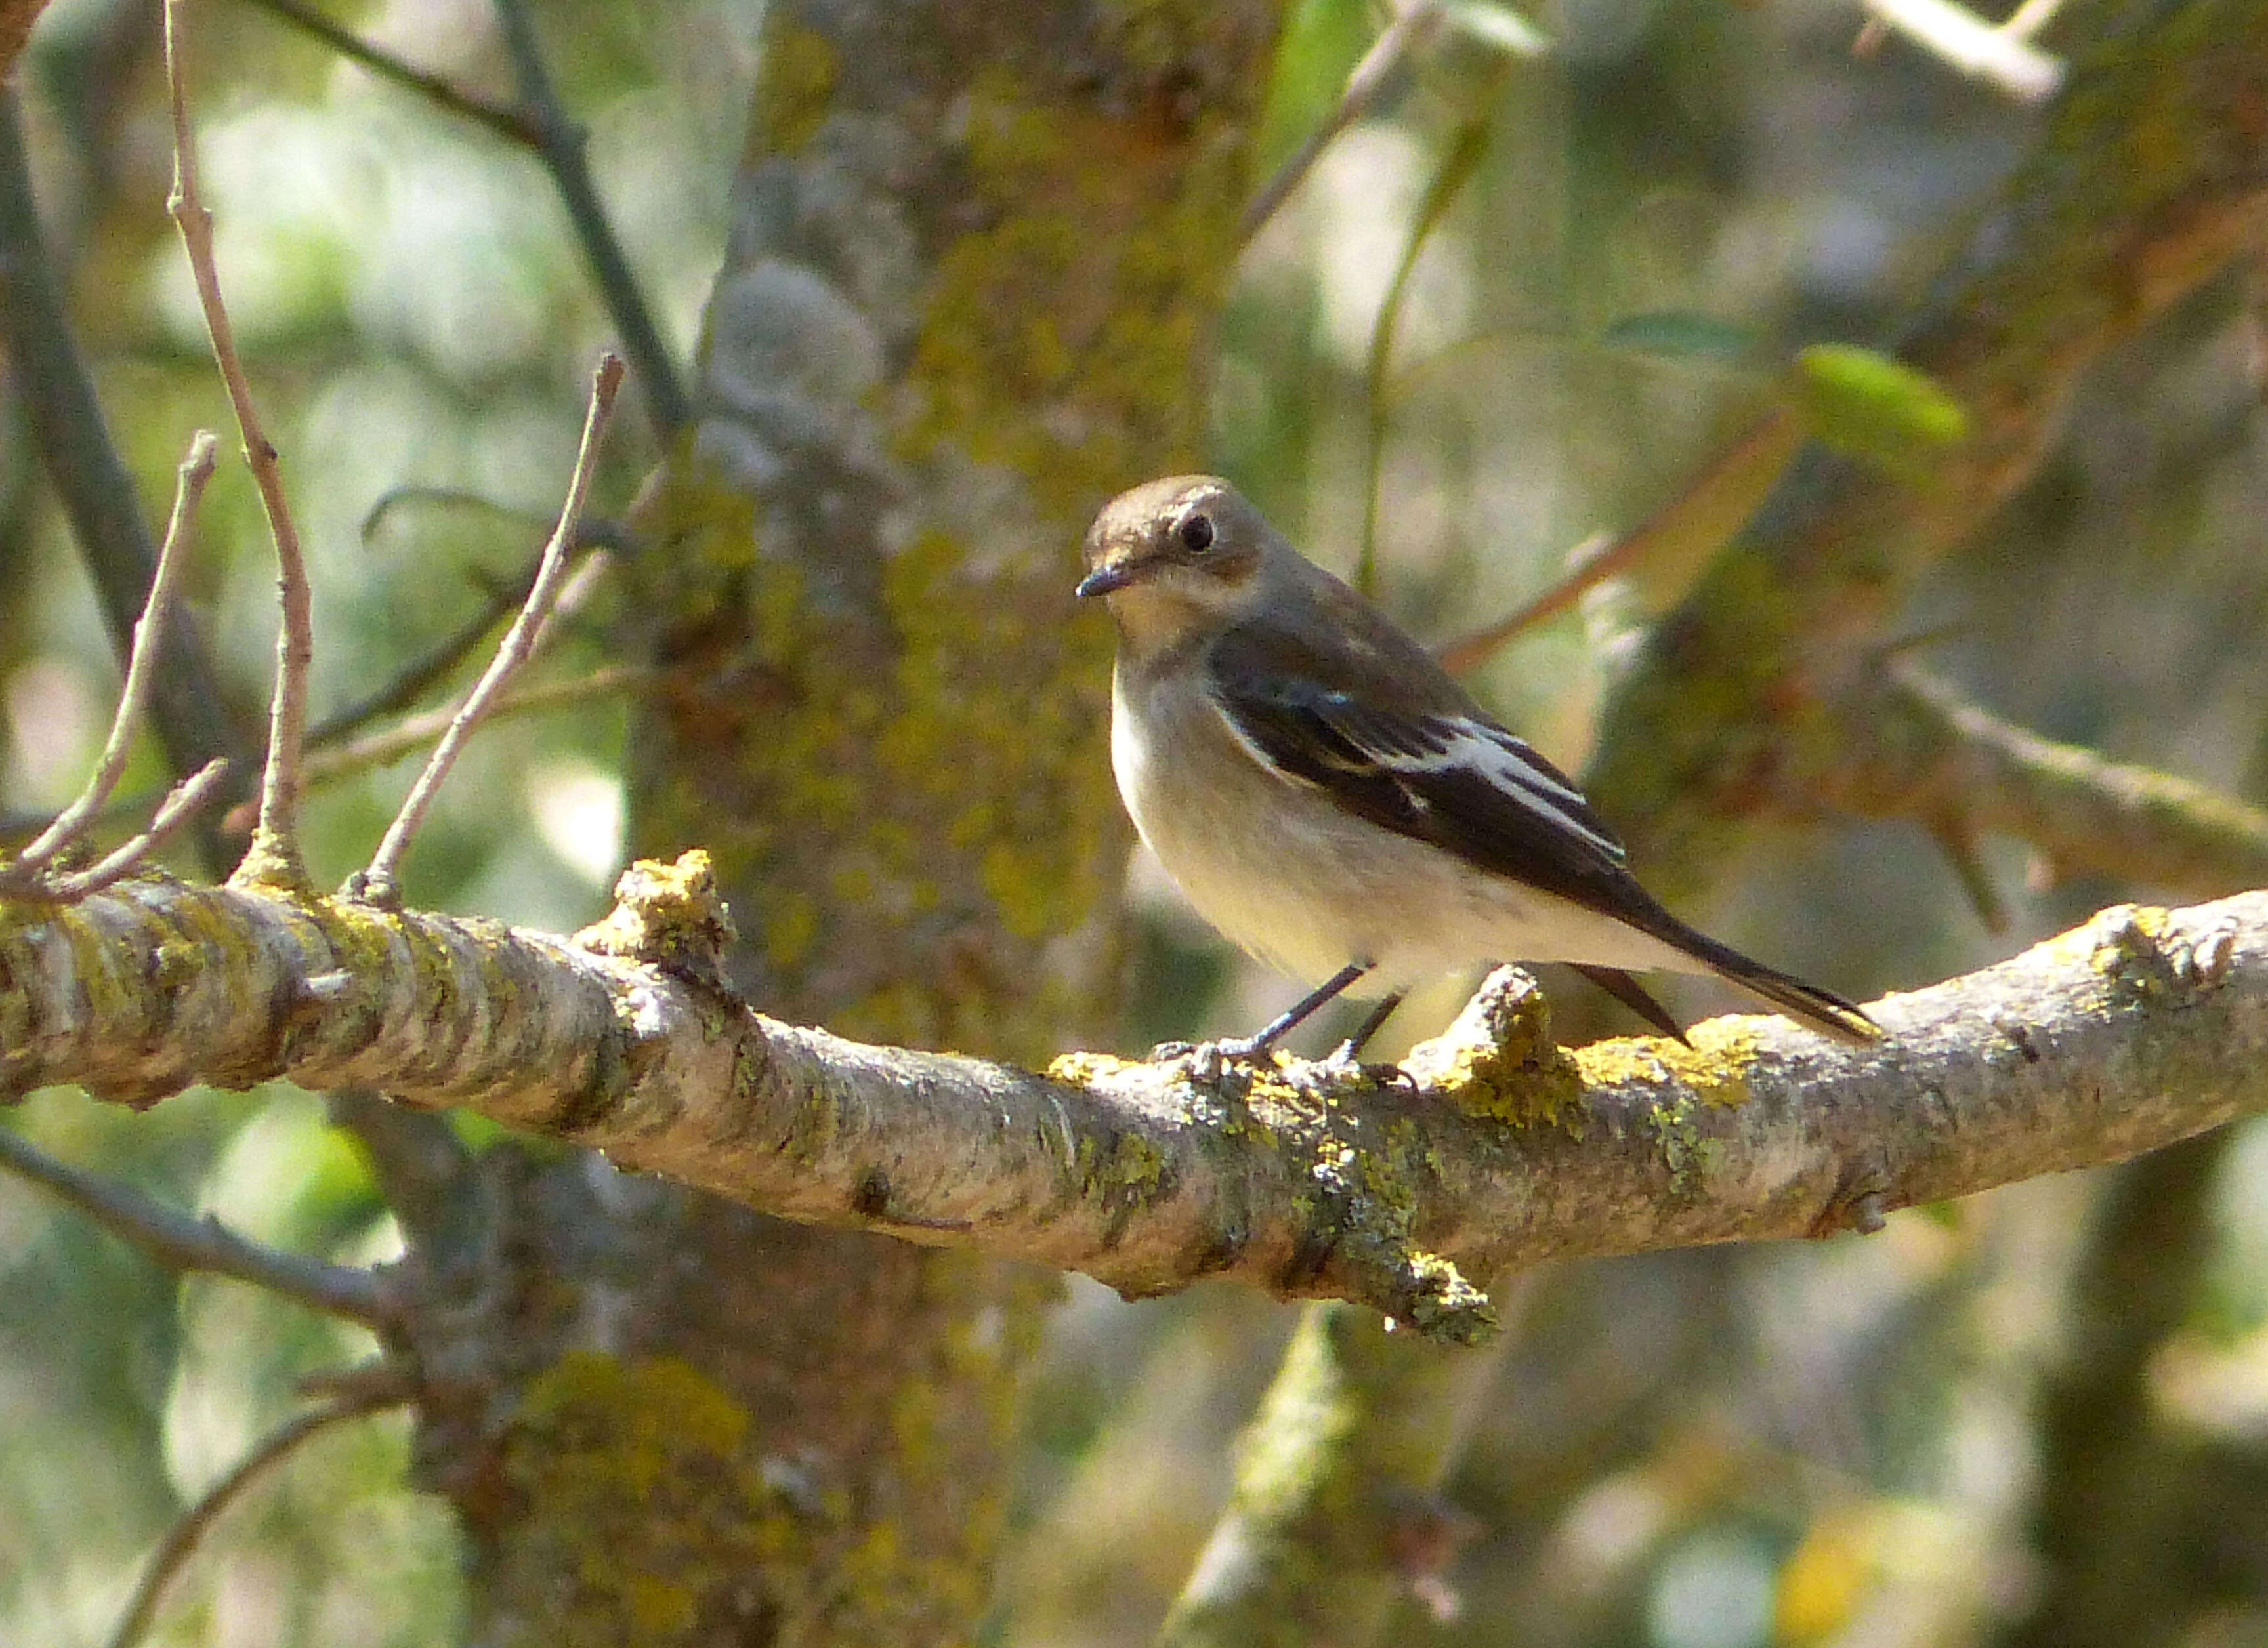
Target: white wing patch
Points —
{"points": [[1509, 767]]}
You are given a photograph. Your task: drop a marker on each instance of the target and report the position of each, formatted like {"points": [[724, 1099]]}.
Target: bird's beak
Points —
{"points": [[1103, 580]]}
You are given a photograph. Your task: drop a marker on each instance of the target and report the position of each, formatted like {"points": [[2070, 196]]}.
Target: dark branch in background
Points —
{"points": [[565, 146], [511, 124], [92, 482], [412, 733], [541, 125], [414, 678], [203, 1245], [1914, 747], [374, 1395]]}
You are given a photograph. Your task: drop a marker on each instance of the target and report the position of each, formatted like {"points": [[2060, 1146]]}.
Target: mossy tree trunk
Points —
{"points": [[976, 256]]}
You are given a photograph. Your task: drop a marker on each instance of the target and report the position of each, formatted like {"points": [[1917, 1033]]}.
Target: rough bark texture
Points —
{"points": [[973, 257], [1499, 1150], [1335, 1509]]}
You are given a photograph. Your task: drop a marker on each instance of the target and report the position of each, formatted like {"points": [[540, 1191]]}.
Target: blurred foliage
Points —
{"points": [[1659, 220]]}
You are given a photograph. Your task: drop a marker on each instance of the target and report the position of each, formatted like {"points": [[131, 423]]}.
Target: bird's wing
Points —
{"points": [[1408, 751]]}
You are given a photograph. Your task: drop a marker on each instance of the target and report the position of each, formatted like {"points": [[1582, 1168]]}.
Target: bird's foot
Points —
{"points": [[1344, 1062], [1207, 1059]]}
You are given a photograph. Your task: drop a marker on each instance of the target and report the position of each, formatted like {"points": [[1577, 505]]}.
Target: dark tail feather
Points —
{"points": [[1632, 994], [1823, 1010]]}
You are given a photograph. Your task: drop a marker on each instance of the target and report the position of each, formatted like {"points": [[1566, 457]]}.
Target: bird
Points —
{"points": [[1333, 802]]}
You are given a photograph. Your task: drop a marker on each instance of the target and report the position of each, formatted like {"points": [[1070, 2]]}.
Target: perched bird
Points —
{"points": [[1332, 801]]}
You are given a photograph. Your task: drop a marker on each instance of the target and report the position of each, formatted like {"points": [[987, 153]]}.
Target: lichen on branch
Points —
{"points": [[1491, 1149]]}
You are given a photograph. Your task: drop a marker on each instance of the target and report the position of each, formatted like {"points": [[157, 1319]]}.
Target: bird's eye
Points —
{"points": [[1196, 534]]}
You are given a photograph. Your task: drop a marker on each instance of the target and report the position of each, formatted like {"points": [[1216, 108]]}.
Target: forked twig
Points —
{"points": [[377, 882], [70, 825], [508, 123], [181, 803], [181, 1539], [204, 1245], [412, 733], [561, 143], [273, 857]]}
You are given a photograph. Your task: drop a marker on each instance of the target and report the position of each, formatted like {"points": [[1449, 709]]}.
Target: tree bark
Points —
{"points": [[1493, 1150], [974, 254]]}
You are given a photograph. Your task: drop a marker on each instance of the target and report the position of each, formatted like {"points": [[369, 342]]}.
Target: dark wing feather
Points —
{"points": [[1372, 721], [1444, 773]]}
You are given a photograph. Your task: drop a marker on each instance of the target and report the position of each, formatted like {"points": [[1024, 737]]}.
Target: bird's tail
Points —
{"points": [[1822, 1008]]}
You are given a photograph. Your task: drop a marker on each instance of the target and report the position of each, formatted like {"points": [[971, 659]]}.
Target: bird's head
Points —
{"points": [[1174, 555]]}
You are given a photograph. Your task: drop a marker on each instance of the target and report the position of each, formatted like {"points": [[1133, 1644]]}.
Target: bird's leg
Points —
{"points": [[1348, 1054], [1306, 1008], [1211, 1053]]}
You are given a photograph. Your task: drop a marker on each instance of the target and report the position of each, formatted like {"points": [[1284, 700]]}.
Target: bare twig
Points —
{"points": [[377, 882], [274, 858], [181, 1539], [1412, 24], [1684, 531], [415, 677], [562, 145], [70, 825], [204, 1245], [183, 803], [511, 124], [2002, 56], [91, 482], [415, 732]]}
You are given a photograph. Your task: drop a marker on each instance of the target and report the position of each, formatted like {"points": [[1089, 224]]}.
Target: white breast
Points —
{"points": [[1283, 872]]}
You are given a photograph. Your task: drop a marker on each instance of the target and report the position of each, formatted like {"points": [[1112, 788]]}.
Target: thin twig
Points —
{"points": [[408, 736], [521, 641], [1412, 26], [2002, 56], [564, 144], [91, 482], [201, 1245], [509, 123], [141, 660], [274, 858], [411, 681], [184, 802], [181, 1539], [1686, 530]]}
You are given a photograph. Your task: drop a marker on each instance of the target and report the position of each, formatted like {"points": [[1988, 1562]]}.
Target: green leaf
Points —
{"points": [[1868, 406], [1496, 25], [1679, 335]]}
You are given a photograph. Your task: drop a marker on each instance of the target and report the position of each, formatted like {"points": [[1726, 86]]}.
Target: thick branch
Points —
{"points": [[2139, 1028], [1914, 747]]}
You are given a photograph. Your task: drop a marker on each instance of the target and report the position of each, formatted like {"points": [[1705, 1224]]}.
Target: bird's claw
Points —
{"points": [[1207, 1060], [1344, 1063]]}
